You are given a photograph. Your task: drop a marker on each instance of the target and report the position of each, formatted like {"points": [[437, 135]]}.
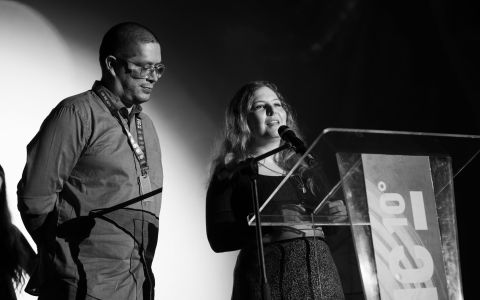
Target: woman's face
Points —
{"points": [[266, 115]]}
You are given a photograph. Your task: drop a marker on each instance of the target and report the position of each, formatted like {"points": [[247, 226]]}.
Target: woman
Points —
{"points": [[298, 266], [15, 252]]}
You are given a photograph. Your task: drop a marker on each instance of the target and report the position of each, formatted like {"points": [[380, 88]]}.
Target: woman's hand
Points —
{"points": [[337, 210]]}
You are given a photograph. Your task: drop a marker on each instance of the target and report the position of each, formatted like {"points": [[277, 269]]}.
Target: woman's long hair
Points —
{"points": [[237, 136], [9, 254]]}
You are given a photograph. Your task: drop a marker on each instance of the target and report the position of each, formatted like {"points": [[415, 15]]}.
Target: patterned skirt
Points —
{"points": [[296, 269]]}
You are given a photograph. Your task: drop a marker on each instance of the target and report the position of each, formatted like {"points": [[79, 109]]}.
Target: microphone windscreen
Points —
{"points": [[282, 129]]}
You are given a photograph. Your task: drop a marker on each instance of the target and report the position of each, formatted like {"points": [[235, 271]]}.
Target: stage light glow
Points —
{"points": [[184, 265], [39, 68], [36, 68]]}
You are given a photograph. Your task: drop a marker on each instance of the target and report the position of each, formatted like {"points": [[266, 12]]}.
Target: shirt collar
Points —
{"points": [[97, 86]]}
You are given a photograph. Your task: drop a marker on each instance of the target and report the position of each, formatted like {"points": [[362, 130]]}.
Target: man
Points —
{"points": [[97, 150]]}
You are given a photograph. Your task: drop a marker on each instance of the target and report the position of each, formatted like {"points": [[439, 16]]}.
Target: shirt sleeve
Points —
{"points": [[51, 156], [225, 231]]}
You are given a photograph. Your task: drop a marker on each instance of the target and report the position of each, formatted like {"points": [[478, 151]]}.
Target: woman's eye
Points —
{"points": [[279, 104], [258, 107]]}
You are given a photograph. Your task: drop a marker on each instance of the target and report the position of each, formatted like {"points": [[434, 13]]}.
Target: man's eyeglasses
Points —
{"points": [[145, 71]]}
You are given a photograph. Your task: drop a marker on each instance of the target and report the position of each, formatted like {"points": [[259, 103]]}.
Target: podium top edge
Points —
{"points": [[392, 132]]}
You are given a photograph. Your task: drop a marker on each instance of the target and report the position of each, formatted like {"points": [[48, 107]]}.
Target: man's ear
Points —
{"points": [[110, 61]]}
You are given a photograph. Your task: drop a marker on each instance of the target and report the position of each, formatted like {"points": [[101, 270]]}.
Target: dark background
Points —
{"points": [[392, 65]]}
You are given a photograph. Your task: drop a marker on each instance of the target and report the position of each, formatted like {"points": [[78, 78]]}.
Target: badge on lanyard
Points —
{"points": [[145, 186]]}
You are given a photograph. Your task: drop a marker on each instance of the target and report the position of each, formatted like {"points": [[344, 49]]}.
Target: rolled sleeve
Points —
{"points": [[51, 156]]}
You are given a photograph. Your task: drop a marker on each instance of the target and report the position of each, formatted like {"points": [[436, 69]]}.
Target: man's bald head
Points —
{"points": [[121, 40]]}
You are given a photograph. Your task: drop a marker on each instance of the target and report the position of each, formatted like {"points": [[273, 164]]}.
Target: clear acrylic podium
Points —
{"points": [[398, 191]]}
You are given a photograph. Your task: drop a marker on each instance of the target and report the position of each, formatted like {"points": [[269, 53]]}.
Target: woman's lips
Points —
{"points": [[273, 122]]}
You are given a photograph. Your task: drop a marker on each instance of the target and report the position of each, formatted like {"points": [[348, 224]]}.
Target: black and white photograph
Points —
{"points": [[244, 150]]}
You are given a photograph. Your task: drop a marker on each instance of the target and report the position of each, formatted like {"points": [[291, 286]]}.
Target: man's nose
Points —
{"points": [[152, 77]]}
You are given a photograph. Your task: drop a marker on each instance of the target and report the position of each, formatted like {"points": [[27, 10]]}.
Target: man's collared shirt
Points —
{"points": [[79, 161]]}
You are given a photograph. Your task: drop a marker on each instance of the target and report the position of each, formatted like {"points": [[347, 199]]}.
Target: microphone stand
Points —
{"points": [[102, 211], [252, 172]]}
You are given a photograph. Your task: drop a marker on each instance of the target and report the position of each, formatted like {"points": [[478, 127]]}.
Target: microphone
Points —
{"points": [[289, 136]]}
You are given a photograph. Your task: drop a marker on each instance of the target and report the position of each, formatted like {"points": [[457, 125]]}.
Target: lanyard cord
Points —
{"points": [[138, 149]]}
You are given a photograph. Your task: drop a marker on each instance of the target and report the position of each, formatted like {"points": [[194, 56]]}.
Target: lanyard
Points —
{"points": [[138, 149]]}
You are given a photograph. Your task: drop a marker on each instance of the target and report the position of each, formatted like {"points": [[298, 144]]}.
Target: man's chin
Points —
{"points": [[141, 99]]}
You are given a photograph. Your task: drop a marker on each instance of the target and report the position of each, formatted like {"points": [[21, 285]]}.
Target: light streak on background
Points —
{"points": [[40, 67]]}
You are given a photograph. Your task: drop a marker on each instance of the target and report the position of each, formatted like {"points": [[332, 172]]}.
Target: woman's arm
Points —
{"points": [[225, 231]]}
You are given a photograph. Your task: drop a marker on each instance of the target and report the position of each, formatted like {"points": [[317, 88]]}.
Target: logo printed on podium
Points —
{"points": [[405, 231]]}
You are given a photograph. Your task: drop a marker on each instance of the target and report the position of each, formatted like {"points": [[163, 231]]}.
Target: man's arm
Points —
{"points": [[51, 156]]}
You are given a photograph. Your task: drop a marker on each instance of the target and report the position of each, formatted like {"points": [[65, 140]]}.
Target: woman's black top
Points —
{"points": [[229, 202]]}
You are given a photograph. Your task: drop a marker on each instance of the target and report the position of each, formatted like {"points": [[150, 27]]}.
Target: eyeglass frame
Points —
{"points": [[154, 69]]}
